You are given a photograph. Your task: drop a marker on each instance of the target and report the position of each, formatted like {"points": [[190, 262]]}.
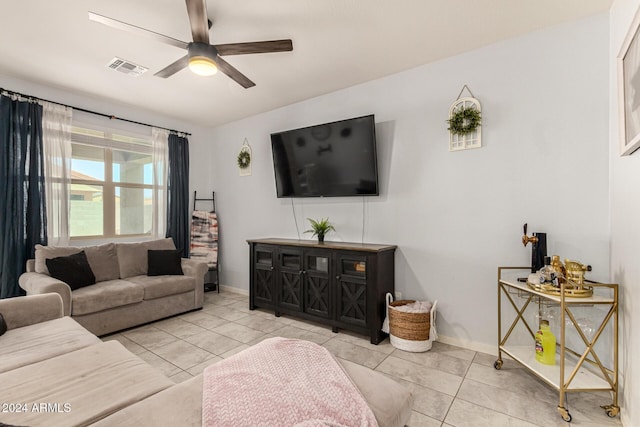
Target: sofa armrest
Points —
{"points": [[194, 268], [197, 270], [29, 310], [37, 283]]}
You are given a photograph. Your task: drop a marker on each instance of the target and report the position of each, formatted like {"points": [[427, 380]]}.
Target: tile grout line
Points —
{"points": [[176, 339], [455, 397], [486, 407]]}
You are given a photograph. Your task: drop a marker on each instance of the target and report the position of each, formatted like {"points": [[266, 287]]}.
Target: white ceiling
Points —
{"points": [[336, 44]]}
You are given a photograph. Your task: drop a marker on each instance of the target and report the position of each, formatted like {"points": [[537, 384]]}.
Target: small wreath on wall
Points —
{"points": [[244, 159], [465, 121]]}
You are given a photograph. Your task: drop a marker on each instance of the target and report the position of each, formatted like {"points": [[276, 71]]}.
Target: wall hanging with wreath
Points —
{"points": [[244, 159], [465, 123]]}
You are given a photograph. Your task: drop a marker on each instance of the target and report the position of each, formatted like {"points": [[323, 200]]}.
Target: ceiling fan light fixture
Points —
{"points": [[202, 66], [202, 59]]}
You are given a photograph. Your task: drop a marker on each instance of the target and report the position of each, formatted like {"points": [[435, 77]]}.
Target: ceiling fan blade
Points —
{"points": [[232, 72], [114, 23], [173, 68], [197, 10], [255, 47]]}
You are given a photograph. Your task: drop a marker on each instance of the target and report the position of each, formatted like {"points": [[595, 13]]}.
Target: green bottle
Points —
{"points": [[545, 344]]}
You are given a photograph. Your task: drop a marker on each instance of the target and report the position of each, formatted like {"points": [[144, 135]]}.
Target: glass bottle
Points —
{"points": [[548, 273], [545, 344]]}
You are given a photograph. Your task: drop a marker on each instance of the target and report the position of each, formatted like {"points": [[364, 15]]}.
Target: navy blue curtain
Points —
{"points": [[178, 216], [23, 221]]}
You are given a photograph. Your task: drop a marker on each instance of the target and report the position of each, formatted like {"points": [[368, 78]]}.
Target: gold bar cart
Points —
{"points": [[571, 373]]}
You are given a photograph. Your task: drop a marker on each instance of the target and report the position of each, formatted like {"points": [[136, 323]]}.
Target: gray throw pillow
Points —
{"points": [[103, 260]]}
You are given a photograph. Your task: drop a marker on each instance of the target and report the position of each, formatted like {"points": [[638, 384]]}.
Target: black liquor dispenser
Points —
{"points": [[538, 248]]}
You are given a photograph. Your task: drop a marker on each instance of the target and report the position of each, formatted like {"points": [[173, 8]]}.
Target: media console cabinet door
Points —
{"points": [[317, 284], [351, 283], [290, 275], [263, 289]]}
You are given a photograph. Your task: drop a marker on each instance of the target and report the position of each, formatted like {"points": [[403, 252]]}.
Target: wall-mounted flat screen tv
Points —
{"points": [[327, 160]]}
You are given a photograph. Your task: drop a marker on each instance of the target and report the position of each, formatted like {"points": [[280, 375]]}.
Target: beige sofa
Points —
{"points": [[53, 372], [123, 296]]}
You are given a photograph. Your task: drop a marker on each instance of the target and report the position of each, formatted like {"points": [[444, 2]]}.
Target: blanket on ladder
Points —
{"points": [[204, 237], [282, 382]]}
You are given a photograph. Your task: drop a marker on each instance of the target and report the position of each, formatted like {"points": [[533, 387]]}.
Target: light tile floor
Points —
{"points": [[452, 386]]}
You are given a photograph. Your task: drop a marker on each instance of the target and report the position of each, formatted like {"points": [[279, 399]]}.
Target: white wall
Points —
{"points": [[625, 224], [455, 217]]}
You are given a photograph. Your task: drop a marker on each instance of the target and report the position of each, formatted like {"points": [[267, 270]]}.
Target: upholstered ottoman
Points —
{"points": [[51, 335], [181, 405], [79, 387]]}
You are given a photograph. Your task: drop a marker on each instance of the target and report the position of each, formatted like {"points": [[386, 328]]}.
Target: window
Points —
{"points": [[111, 191]]}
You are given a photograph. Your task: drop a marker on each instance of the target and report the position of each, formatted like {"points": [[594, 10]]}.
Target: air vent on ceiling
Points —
{"points": [[126, 67]]}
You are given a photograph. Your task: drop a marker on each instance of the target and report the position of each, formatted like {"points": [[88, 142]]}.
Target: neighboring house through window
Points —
{"points": [[111, 191]]}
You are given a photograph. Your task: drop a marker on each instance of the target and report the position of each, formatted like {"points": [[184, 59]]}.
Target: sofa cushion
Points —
{"points": [[390, 402], [87, 384], [162, 286], [24, 311], [105, 295], [74, 270], [41, 341], [43, 253], [133, 259], [163, 262], [103, 259], [180, 405]]}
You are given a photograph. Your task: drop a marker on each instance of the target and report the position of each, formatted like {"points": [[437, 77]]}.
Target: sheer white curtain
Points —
{"points": [[56, 141], [160, 142]]}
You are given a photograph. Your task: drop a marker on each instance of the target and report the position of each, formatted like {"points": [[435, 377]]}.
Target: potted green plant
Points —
{"points": [[320, 228]]}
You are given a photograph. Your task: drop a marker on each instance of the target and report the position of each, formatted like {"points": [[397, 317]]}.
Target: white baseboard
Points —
{"points": [[469, 345], [227, 288]]}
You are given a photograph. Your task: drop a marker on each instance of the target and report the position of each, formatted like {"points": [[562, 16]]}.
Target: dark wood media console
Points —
{"points": [[335, 283]]}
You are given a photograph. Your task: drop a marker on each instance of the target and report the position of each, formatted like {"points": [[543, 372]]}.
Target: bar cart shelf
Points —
{"points": [[574, 371]]}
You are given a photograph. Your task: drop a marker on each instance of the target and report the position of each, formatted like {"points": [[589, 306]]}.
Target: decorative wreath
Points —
{"points": [[244, 159], [464, 121]]}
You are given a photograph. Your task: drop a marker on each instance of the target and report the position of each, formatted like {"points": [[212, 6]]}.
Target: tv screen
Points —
{"points": [[327, 160]]}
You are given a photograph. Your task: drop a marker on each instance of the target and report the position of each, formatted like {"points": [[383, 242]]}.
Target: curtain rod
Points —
{"points": [[84, 110]]}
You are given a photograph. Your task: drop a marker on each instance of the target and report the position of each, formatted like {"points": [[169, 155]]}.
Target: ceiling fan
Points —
{"points": [[202, 57]]}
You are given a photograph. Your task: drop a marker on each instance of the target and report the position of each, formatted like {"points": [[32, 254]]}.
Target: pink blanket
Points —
{"points": [[282, 382]]}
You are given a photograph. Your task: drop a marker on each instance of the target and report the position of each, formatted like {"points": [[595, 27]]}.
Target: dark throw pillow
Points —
{"points": [[164, 262], [3, 325], [74, 270]]}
